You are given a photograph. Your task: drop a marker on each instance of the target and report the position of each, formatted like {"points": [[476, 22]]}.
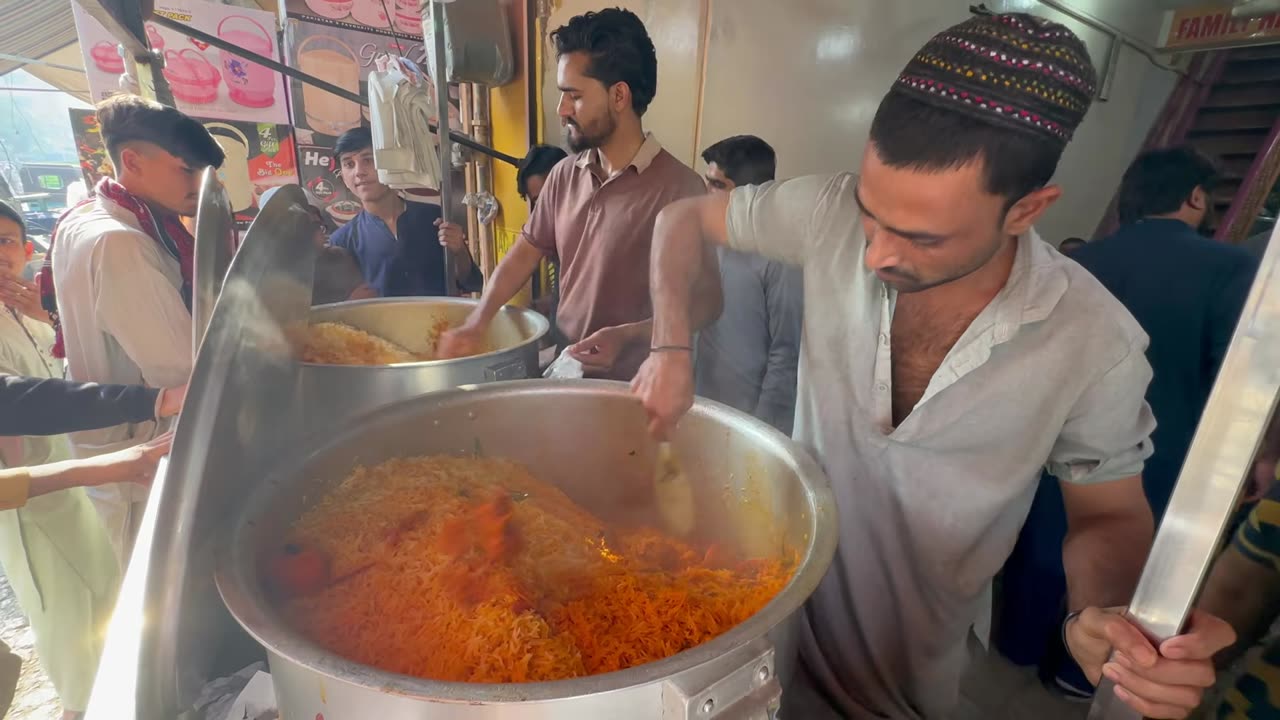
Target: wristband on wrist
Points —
{"points": [[670, 349], [1065, 622]]}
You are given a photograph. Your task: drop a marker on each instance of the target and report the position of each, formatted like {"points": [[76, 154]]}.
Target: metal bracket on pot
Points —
{"points": [[514, 370], [750, 692]]}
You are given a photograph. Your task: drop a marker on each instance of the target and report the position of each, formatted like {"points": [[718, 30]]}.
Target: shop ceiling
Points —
{"points": [[40, 37]]}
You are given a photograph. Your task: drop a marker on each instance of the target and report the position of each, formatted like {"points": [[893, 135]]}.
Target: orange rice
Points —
{"points": [[335, 343], [331, 343], [472, 570]]}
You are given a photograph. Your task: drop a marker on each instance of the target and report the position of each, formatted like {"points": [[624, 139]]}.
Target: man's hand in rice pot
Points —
{"points": [[462, 341], [665, 387]]}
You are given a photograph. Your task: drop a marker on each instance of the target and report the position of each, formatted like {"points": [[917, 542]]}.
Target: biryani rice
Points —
{"points": [[472, 570], [335, 343]]}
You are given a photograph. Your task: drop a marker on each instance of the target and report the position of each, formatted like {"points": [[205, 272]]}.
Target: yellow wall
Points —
{"points": [[509, 117]]}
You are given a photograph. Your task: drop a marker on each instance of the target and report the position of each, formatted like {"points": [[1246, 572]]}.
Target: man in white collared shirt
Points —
{"points": [[121, 269], [948, 355]]}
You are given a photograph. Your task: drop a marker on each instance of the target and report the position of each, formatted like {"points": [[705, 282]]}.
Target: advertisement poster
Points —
{"points": [[384, 17], [206, 82], [259, 156], [319, 173], [344, 58], [94, 163], [1215, 26]]}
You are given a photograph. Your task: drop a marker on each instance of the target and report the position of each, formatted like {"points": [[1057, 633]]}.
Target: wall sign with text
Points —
{"points": [[1213, 26]]}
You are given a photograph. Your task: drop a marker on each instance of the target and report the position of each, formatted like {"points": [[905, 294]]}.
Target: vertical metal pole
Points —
{"points": [[438, 75]]}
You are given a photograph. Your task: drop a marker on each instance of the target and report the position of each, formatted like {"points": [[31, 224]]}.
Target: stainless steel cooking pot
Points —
{"points": [[755, 490], [333, 392]]}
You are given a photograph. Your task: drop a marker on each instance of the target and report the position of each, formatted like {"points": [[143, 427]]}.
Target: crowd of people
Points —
{"points": [[982, 403]]}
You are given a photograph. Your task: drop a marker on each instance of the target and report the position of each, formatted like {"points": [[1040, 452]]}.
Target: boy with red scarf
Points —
{"points": [[118, 277]]}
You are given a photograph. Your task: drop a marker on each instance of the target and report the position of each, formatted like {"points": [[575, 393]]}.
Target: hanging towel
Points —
{"points": [[401, 110]]}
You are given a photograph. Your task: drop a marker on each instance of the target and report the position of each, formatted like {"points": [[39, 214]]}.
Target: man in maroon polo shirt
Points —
{"points": [[597, 209]]}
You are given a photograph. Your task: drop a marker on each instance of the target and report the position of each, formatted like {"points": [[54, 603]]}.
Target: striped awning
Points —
{"points": [[33, 30]]}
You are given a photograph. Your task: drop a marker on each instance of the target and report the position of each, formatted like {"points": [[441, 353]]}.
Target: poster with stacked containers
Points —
{"points": [[383, 17], [343, 57], [206, 82], [243, 104]]}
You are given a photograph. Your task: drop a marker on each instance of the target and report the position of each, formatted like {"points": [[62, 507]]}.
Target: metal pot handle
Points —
{"points": [[750, 692], [512, 370]]}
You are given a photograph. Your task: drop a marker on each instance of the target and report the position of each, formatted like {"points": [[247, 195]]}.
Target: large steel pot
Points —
{"points": [[755, 490], [334, 392]]}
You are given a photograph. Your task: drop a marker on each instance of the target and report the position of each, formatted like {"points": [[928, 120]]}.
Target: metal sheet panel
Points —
{"points": [[170, 623], [215, 246], [1221, 455]]}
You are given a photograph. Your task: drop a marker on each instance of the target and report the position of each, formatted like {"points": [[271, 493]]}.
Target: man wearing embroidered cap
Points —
{"points": [[949, 354]]}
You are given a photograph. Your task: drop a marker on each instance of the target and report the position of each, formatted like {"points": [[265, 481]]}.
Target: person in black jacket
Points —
{"points": [[44, 406]]}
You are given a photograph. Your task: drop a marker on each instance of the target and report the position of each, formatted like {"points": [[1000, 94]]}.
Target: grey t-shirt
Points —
{"points": [[747, 359], [1051, 373]]}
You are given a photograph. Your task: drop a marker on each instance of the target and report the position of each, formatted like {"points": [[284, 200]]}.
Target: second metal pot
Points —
{"points": [[334, 392]]}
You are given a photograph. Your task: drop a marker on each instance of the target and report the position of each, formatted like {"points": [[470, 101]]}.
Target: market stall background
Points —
{"points": [[243, 105], [361, 15]]}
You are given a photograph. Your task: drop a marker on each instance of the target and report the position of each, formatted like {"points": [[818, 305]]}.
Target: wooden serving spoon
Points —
{"points": [[673, 492]]}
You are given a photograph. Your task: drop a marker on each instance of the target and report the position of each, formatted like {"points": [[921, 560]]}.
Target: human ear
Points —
{"points": [[1024, 213]]}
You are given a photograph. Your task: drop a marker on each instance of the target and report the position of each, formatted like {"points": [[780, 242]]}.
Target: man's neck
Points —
{"points": [[976, 290], [387, 208], [621, 148], [132, 188], [1181, 216]]}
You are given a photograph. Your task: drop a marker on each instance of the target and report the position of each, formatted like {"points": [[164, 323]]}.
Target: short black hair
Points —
{"points": [[909, 133], [538, 161], [8, 212], [123, 119], [745, 159], [1071, 243], [619, 48], [1160, 181], [352, 141]]}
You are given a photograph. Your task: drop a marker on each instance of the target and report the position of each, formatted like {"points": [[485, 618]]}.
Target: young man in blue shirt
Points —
{"points": [[397, 243]]}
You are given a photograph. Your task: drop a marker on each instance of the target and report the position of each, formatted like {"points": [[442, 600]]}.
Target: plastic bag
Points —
{"points": [[565, 367]]}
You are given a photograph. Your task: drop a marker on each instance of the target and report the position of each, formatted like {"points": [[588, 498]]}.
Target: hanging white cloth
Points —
{"points": [[401, 110]]}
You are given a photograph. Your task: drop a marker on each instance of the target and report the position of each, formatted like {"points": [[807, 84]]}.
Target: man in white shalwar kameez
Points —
{"points": [[120, 271]]}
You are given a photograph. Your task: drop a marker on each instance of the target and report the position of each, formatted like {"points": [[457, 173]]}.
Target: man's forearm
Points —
{"points": [[22, 483], [1103, 558], [1243, 593], [1270, 448], [708, 296], [48, 406], [674, 269], [510, 275]]}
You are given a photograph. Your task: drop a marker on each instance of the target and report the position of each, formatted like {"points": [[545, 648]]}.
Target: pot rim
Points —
{"points": [[247, 603], [542, 326]]}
